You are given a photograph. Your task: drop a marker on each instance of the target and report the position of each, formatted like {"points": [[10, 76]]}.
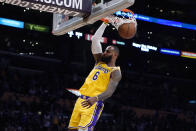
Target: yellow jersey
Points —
{"points": [[98, 79]]}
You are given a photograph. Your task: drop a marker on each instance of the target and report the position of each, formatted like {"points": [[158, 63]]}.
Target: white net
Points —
{"points": [[118, 21]]}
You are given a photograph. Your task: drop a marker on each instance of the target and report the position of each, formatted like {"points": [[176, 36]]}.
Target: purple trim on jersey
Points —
{"points": [[99, 107]]}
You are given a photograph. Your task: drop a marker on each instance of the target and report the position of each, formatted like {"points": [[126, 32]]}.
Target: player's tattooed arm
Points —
{"points": [[113, 83]]}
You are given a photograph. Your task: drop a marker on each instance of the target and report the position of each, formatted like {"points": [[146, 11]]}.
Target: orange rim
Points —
{"points": [[104, 20]]}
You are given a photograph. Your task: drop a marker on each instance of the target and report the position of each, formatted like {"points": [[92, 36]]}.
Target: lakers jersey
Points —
{"points": [[97, 81]]}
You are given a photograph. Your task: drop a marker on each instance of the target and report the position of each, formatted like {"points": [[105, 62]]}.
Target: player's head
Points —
{"points": [[110, 53]]}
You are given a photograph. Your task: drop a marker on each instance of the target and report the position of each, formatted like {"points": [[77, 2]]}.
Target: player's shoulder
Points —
{"points": [[116, 74], [116, 70]]}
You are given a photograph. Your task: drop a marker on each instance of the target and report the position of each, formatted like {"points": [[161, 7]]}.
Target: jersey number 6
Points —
{"points": [[96, 75]]}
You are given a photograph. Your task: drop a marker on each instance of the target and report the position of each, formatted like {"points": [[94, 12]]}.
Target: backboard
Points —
{"points": [[64, 23], [66, 7]]}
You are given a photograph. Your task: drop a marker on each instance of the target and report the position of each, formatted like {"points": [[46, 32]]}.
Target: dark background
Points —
{"points": [[161, 85]]}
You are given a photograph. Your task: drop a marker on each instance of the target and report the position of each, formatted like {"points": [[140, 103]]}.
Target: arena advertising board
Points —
{"points": [[66, 7], [35, 27], [188, 54], [11, 23]]}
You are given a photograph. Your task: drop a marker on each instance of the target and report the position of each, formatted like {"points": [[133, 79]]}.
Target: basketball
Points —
{"points": [[127, 30]]}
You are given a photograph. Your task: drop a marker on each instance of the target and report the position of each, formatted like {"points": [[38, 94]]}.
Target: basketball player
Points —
{"points": [[98, 86]]}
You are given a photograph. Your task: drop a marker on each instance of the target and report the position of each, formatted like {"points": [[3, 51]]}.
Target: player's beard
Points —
{"points": [[106, 59]]}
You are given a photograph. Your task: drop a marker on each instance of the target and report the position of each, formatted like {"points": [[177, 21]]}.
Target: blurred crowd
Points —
{"points": [[39, 102]]}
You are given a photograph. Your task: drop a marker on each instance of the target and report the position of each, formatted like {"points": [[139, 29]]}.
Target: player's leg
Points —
{"points": [[75, 117], [90, 116]]}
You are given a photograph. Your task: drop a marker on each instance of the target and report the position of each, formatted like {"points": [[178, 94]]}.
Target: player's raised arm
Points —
{"points": [[96, 45]]}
